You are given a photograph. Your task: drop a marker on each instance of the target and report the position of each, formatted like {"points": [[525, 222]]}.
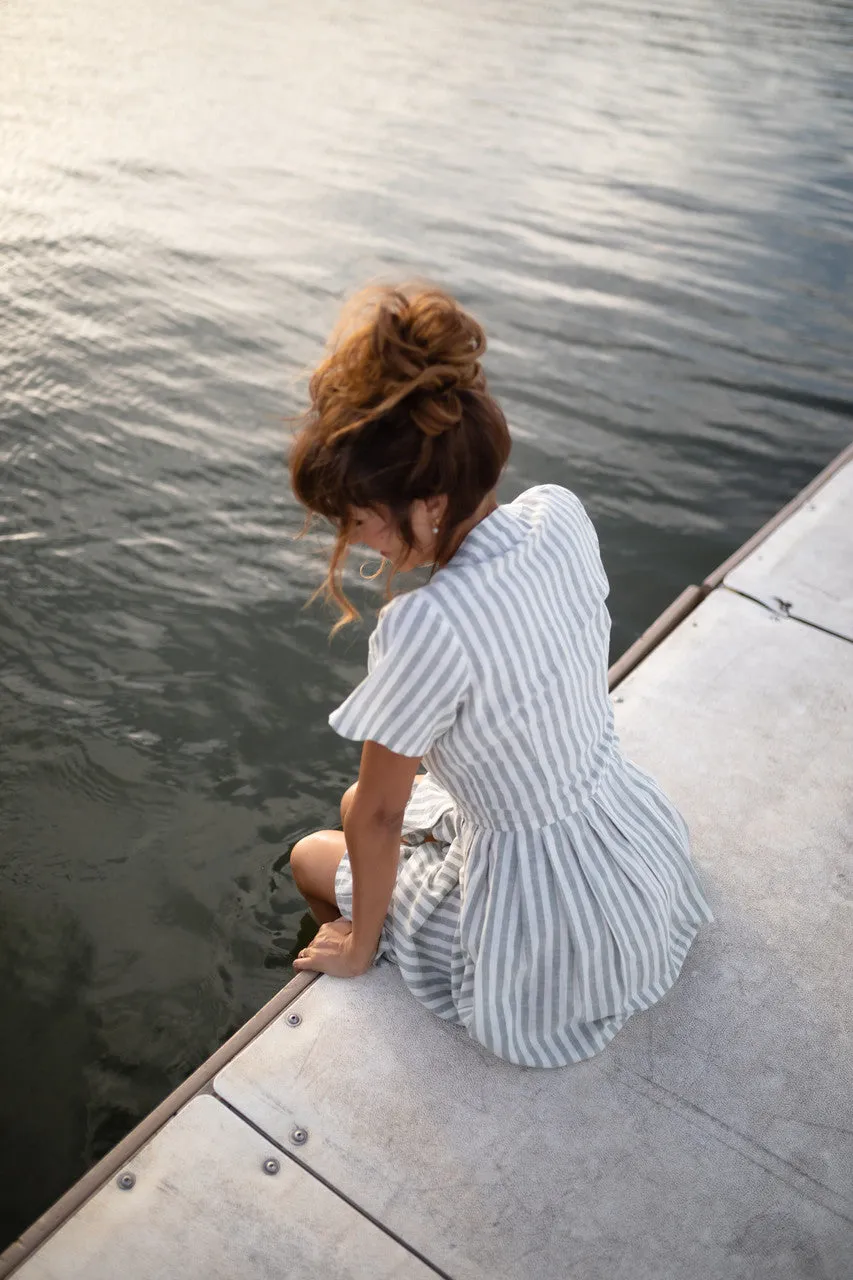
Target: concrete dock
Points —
{"points": [[346, 1132]]}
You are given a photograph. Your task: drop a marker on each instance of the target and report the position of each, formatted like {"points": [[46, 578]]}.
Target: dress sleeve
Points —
{"points": [[417, 677]]}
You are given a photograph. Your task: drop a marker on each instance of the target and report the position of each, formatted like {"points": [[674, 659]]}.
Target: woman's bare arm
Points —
{"points": [[373, 829]]}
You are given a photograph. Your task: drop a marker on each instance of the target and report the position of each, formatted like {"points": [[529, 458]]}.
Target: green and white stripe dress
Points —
{"points": [[545, 890]]}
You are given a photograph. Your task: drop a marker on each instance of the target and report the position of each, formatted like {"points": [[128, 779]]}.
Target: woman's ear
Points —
{"points": [[436, 508]]}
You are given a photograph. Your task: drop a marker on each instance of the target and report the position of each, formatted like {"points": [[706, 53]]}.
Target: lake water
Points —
{"points": [[651, 209]]}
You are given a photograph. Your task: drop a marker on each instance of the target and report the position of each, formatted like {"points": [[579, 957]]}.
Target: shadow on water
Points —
{"points": [[44, 1113]]}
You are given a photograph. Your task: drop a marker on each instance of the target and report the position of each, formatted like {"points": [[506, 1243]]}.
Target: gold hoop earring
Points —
{"points": [[370, 577]]}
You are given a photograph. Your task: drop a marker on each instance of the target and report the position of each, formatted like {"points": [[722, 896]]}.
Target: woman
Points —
{"points": [[534, 886]]}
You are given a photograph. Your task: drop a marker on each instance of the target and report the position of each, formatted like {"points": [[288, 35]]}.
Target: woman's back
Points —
{"points": [[525, 595]]}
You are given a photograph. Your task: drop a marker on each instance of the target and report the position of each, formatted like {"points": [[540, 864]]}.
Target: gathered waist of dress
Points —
{"points": [[539, 811]]}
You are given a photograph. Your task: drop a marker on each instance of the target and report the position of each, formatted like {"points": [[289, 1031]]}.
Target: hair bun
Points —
{"points": [[400, 413], [406, 343]]}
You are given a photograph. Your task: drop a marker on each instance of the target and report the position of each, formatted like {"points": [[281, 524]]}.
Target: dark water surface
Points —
{"points": [[652, 211]]}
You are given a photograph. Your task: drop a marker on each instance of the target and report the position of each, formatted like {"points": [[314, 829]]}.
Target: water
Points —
{"points": [[650, 209]]}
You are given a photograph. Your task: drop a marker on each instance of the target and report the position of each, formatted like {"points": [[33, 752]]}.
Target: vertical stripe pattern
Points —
{"points": [[545, 890]]}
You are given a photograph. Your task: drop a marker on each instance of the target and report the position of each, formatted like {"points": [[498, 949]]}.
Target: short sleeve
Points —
{"points": [[417, 677]]}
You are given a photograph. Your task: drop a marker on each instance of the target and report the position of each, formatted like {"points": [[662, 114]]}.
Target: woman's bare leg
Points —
{"points": [[314, 862]]}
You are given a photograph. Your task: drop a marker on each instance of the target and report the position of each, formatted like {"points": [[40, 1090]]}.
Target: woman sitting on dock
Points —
{"points": [[533, 885]]}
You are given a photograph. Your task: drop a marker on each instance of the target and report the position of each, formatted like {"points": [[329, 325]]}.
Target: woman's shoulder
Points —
{"points": [[557, 513], [563, 527], [415, 603], [411, 618], [549, 497]]}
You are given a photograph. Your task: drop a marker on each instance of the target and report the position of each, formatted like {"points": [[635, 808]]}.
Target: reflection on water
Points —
{"points": [[651, 210]]}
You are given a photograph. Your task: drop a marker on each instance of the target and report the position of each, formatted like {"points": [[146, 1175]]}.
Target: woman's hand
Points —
{"points": [[332, 952]]}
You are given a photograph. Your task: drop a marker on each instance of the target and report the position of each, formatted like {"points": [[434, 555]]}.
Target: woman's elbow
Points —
{"points": [[376, 819]]}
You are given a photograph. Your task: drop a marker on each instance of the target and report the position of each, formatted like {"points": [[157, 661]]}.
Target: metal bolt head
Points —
{"points": [[126, 1181], [271, 1166], [293, 1019], [299, 1137]]}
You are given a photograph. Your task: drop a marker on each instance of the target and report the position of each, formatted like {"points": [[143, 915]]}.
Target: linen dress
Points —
{"points": [[545, 891]]}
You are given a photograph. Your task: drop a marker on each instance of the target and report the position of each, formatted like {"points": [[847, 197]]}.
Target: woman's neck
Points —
{"points": [[486, 507]]}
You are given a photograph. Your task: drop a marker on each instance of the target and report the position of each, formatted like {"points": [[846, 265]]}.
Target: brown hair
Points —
{"points": [[399, 411]]}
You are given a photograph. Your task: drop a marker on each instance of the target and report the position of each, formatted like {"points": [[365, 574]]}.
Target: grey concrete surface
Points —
{"points": [[714, 1138]]}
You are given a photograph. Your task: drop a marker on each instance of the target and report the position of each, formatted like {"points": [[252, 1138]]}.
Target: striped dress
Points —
{"points": [[545, 890]]}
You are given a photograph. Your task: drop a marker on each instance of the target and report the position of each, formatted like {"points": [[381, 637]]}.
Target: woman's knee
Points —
{"points": [[346, 801], [314, 862], [301, 858]]}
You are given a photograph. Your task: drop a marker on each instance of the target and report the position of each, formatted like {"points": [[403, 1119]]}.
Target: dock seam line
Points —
{"points": [[794, 1178], [335, 1190], [785, 613]]}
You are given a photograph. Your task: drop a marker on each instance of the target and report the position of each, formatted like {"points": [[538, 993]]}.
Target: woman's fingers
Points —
{"points": [[327, 942], [330, 952], [306, 960]]}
